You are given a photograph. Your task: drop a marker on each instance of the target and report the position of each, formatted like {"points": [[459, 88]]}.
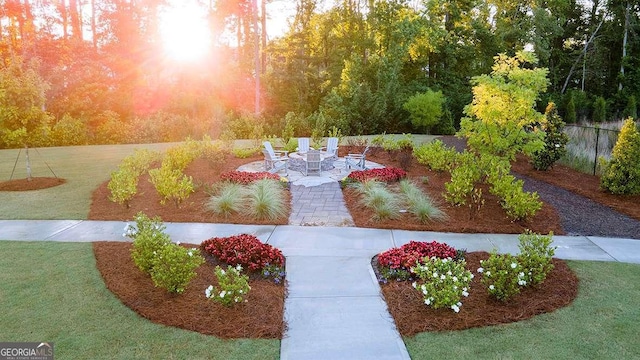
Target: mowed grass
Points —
{"points": [[602, 323], [84, 168], [53, 292]]}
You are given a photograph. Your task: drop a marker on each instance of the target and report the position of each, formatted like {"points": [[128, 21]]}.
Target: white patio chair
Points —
{"points": [[356, 161], [303, 145], [274, 160], [332, 147], [313, 163]]}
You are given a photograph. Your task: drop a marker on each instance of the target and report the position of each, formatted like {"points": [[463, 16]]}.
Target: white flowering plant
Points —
{"points": [[174, 267], [503, 275], [232, 287], [535, 256], [444, 282], [148, 239]]}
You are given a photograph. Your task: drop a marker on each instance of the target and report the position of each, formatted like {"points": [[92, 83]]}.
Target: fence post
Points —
{"points": [[595, 160]]}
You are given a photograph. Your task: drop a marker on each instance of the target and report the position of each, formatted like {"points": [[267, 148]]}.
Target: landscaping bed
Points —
{"points": [[260, 317]]}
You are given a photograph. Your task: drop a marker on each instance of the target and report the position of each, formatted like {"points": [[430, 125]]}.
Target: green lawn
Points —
{"points": [[602, 323], [53, 292], [84, 168]]}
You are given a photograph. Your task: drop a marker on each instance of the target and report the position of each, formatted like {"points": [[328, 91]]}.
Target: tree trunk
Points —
{"points": [[583, 53], [26, 149], [624, 44], [263, 33], [76, 20], [94, 35]]}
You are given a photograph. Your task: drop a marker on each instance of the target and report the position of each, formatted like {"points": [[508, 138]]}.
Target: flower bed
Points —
{"points": [[245, 177], [388, 174], [244, 249]]}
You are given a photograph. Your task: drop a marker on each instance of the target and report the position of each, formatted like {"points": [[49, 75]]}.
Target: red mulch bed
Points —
{"points": [[412, 316], [580, 183], [191, 210], [461, 219], [36, 183], [260, 317]]}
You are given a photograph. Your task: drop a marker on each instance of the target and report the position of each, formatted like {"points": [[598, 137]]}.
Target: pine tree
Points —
{"points": [[622, 174], [555, 140]]}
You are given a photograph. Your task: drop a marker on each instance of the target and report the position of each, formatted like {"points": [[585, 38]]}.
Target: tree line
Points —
{"points": [[94, 71]]}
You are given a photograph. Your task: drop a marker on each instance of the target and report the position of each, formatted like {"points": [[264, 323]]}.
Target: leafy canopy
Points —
{"points": [[502, 120]]}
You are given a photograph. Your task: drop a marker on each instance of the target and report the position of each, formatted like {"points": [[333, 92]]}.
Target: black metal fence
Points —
{"points": [[591, 141]]}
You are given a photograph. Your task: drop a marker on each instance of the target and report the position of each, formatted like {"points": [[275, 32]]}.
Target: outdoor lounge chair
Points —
{"points": [[313, 163], [274, 161], [356, 161], [303, 145], [332, 147]]}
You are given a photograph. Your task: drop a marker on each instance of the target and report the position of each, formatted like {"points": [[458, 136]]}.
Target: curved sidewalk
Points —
{"points": [[334, 309]]}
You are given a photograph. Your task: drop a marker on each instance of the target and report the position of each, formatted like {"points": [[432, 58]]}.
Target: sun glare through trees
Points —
{"points": [[184, 31]]}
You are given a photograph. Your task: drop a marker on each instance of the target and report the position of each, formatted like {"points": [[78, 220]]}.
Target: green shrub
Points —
{"points": [[174, 266], [425, 109], [555, 140], [464, 175], [570, 112], [435, 155], [232, 287], [171, 184], [445, 282], [140, 161], [599, 110], [148, 239], [179, 157], [123, 186], [503, 275], [266, 200], [535, 256], [631, 110], [229, 200], [243, 153], [622, 174], [517, 203], [69, 131]]}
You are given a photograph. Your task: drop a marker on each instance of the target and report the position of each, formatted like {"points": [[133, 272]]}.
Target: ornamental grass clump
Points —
{"points": [[420, 204], [229, 200], [232, 287], [265, 200], [444, 282], [503, 275], [376, 196]]}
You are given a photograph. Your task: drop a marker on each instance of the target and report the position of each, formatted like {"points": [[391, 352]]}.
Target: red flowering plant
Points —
{"points": [[396, 263], [246, 177], [388, 174], [249, 252]]}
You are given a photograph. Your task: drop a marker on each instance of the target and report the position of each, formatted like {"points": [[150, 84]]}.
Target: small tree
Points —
{"points": [[622, 173], [555, 140], [631, 110], [23, 120], [570, 111], [502, 120], [425, 109], [599, 110]]}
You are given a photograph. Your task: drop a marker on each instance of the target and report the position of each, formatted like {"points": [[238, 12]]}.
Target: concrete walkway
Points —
{"points": [[334, 309]]}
